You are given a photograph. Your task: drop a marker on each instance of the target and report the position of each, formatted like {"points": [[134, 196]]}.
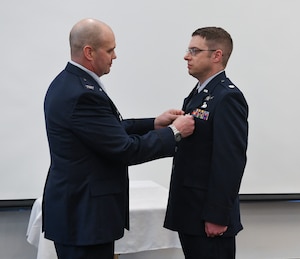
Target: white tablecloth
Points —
{"points": [[148, 202]]}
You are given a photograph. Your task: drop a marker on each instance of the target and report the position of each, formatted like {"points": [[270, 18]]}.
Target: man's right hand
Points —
{"points": [[185, 124]]}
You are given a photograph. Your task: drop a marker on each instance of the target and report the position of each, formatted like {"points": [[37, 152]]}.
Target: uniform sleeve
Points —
{"points": [[138, 126], [230, 134], [94, 122]]}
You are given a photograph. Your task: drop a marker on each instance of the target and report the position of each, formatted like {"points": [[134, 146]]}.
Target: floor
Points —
{"points": [[13, 226], [271, 231]]}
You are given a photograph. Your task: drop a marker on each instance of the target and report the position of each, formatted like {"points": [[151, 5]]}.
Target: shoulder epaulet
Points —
{"points": [[89, 85], [227, 83]]}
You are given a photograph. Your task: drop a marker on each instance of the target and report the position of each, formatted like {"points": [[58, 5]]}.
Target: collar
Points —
{"points": [[200, 86], [91, 73]]}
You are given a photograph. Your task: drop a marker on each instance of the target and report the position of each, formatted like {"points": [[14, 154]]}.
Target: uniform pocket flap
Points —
{"points": [[105, 187]]}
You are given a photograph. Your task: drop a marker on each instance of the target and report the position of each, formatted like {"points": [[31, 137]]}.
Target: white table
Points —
{"points": [[148, 202]]}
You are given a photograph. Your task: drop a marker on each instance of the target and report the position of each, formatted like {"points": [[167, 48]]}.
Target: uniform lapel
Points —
{"points": [[188, 99], [90, 83], [201, 99]]}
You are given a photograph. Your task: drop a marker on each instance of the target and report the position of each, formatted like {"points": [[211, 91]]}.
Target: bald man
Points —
{"points": [[85, 202]]}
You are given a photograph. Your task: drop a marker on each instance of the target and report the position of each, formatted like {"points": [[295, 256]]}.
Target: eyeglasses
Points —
{"points": [[195, 51]]}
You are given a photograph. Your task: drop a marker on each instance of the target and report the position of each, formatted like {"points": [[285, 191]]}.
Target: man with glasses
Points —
{"points": [[208, 166]]}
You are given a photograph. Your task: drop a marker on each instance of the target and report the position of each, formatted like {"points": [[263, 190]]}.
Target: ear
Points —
{"points": [[218, 55], [88, 52]]}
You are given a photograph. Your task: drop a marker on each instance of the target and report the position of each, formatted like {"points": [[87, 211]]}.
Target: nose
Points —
{"points": [[114, 55], [187, 56]]}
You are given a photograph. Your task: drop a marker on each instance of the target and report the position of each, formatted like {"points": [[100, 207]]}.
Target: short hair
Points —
{"points": [[216, 38]]}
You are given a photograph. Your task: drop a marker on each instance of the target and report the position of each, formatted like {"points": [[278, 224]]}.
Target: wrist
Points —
{"points": [[176, 132]]}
